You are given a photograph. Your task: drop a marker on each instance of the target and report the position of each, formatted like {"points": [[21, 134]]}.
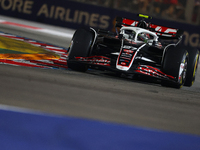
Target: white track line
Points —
{"points": [[27, 111], [57, 33], [47, 31]]}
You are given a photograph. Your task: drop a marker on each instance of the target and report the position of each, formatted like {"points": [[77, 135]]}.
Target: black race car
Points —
{"points": [[137, 47]]}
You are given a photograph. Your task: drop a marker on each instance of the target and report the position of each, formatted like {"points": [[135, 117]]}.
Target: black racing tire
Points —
{"points": [[80, 47], [175, 60], [192, 66]]}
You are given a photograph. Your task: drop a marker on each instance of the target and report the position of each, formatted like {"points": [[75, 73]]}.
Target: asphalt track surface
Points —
{"points": [[98, 95]]}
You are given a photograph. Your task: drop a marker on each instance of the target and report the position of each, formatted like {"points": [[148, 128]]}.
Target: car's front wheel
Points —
{"points": [[80, 47], [175, 64]]}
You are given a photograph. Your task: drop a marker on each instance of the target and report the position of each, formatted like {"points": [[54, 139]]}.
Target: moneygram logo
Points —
{"points": [[192, 40], [58, 13]]}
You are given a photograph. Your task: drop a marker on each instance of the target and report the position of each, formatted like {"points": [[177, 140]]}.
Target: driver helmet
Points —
{"points": [[143, 37]]}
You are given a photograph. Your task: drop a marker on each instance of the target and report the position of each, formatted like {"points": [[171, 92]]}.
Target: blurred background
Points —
{"points": [[187, 11], [101, 14]]}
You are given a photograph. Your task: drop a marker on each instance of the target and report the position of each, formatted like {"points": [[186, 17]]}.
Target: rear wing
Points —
{"points": [[161, 31]]}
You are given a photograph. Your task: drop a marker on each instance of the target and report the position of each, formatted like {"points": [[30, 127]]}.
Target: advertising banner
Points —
{"points": [[74, 15]]}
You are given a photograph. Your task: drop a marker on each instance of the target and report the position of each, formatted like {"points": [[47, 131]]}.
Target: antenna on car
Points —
{"points": [[144, 16], [142, 23]]}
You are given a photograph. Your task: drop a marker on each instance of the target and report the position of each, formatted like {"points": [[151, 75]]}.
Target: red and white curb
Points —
{"points": [[60, 63]]}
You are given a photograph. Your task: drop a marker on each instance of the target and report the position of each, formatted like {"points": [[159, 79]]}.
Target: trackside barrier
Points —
{"points": [[74, 15], [29, 131]]}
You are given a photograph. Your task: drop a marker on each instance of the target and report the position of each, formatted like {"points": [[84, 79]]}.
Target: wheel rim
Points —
{"points": [[182, 71]]}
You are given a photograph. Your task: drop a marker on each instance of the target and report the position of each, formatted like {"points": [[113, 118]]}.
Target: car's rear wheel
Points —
{"points": [[80, 47], [192, 67], [175, 64]]}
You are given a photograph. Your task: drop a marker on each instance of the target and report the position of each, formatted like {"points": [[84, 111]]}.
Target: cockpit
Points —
{"points": [[138, 35], [129, 34]]}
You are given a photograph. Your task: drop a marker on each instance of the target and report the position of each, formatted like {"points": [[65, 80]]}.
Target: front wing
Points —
{"points": [[140, 69]]}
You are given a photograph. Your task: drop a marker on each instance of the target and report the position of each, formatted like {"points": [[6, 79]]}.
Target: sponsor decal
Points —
{"points": [[60, 11], [192, 40], [21, 6], [123, 63], [128, 57], [129, 47], [74, 16], [128, 51], [95, 60], [164, 30]]}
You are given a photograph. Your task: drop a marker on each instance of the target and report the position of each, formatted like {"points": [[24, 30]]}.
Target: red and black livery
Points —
{"points": [[137, 47]]}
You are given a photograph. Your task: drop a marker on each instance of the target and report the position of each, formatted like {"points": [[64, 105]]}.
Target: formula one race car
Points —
{"points": [[137, 47]]}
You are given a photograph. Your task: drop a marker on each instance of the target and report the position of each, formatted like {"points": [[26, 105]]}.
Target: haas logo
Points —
{"points": [[171, 30], [158, 29], [165, 30]]}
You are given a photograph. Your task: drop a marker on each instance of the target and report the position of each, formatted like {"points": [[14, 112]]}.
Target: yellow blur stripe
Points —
{"points": [[20, 46], [28, 56], [31, 52], [195, 67]]}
